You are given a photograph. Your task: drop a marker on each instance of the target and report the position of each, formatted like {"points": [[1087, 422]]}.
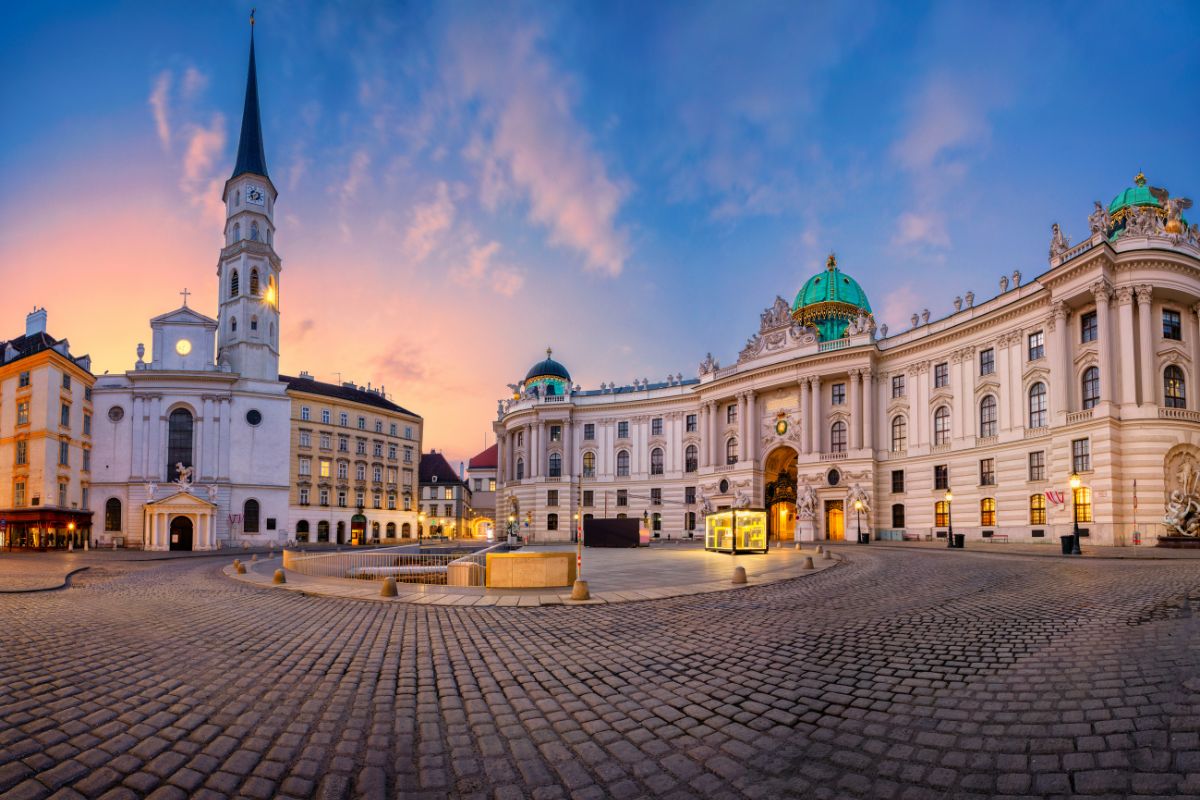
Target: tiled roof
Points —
{"points": [[485, 460], [28, 345], [342, 392], [435, 464]]}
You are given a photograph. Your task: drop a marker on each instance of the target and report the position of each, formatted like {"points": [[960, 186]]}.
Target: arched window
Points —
{"points": [[987, 511], [233, 284], [691, 460], [1173, 388], [1091, 387], [555, 465], [623, 464], [112, 514], [254, 282], [237, 232], [1037, 509], [179, 441], [589, 465], [375, 529], [254, 231], [987, 416], [250, 516], [233, 324], [837, 437], [253, 323], [941, 425], [406, 530], [391, 530], [731, 451], [897, 515], [941, 514], [899, 433], [323, 531], [656, 461], [520, 469], [552, 522], [1037, 405], [302, 531]]}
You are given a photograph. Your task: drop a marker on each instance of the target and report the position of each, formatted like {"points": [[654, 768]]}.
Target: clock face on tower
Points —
{"points": [[255, 195]]}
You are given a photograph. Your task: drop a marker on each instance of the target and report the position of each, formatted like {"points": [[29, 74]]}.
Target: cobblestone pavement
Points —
{"points": [[901, 674]]}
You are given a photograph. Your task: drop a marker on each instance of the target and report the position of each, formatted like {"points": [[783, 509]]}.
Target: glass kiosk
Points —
{"points": [[741, 530]]}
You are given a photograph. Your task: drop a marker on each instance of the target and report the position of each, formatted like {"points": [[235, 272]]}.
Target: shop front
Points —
{"points": [[741, 530], [44, 528]]}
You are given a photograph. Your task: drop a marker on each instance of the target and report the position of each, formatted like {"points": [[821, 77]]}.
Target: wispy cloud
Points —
{"points": [[898, 307], [158, 100], [916, 228], [482, 267], [531, 143], [201, 180], [429, 222]]}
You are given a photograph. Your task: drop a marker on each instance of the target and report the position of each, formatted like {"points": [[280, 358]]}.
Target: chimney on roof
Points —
{"points": [[35, 321], [304, 374]]}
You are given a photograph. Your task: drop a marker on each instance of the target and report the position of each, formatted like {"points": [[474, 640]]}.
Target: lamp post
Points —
{"points": [[949, 520], [858, 518], [1075, 483], [512, 527], [420, 527]]}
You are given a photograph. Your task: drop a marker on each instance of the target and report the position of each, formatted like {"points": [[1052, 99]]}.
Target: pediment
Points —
{"points": [[1173, 353], [181, 501], [1088, 352], [941, 395], [183, 316]]}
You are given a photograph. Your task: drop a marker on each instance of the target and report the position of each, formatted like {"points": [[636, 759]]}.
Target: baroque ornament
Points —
{"points": [[1183, 492]]}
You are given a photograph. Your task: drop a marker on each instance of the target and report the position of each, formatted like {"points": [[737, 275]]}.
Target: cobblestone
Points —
{"points": [[902, 674]]}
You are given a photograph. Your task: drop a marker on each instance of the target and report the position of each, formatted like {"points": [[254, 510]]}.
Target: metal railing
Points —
{"points": [[407, 564]]}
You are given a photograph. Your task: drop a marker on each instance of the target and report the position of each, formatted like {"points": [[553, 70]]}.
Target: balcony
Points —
{"points": [[1033, 433], [833, 344], [940, 448], [554, 398], [1074, 417], [985, 441], [1178, 413], [834, 456]]}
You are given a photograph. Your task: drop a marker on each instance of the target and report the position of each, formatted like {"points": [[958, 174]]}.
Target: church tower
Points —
{"points": [[249, 267]]}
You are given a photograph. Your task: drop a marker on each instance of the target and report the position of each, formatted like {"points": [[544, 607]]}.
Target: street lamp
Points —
{"points": [[949, 520], [420, 527], [1075, 483], [858, 518], [512, 527]]}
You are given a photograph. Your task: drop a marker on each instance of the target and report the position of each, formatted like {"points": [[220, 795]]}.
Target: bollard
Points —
{"points": [[254, 557], [827, 555], [389, 587], [239, 568], [798, 547], [808, 563], [279, 578], [739, 575], [820, 549], [580, 591]]}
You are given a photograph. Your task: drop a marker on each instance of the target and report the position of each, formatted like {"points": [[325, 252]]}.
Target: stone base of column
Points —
{"points": [[806, 530]]}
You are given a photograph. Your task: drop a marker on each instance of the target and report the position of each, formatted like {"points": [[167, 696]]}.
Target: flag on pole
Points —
{"points": [[1135, 495]]}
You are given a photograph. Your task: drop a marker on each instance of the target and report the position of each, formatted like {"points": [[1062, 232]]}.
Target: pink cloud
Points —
{"points": [[921, 228], [429, 222], [158, 99]]}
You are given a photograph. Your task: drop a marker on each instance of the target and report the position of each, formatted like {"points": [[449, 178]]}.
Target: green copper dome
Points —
{"points": [[830, 301], [1136, 195], [548, 377]]}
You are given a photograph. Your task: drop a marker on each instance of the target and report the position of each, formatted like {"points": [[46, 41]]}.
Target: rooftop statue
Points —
{"points": [[1175, 206], [1059, 244], [1099, 220]]}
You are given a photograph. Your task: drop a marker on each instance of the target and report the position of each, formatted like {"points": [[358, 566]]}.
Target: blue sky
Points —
{"points": [[463, 184]]}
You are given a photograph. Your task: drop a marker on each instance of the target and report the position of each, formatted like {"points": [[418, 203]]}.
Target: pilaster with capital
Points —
{"points": [[1102, 291], [868, 411], [805, 415], [1060, 372], [1145, 343], [1124, 295], [1194, 322], [855, 411], [818, 418]]}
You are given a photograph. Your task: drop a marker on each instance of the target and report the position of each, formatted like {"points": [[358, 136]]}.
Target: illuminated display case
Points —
{"points": [[742, 530]]}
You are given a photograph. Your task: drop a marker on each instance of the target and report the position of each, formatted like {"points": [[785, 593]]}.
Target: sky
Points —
{"points": [[465, 184]]}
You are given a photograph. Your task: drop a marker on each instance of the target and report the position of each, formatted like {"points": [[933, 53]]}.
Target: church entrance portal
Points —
{"points": [[181, 533], [835, 520], [779, 479]]}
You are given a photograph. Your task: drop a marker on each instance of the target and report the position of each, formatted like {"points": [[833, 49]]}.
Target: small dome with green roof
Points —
{"points": [[547, 377], [830, 301], [1140, 195]]}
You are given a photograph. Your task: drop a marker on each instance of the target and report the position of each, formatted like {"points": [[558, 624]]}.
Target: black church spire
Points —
{"points": [[250, 155]]}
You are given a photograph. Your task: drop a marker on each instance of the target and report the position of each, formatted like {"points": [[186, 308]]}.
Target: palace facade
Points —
{"points": [[1062, 399]]}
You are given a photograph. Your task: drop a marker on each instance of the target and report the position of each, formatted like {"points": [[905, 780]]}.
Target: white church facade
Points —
{"points": [[1069, 399]]}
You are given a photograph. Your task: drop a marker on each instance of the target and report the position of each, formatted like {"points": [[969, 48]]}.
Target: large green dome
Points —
{"points": [[548, 377], [1136, 195], [829, 301]]}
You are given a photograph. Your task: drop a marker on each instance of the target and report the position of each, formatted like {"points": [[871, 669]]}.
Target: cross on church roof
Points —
{"points": [[185, 294]]}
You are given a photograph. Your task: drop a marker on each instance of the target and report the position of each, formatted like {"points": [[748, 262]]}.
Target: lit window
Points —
{"points": [[1037, 509], [941, 514], [987, 511], [589, 465], [1083, 504], [1173, 388]]}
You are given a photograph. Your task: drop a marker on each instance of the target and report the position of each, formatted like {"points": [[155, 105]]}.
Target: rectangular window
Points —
{"points": [[897, 481], [941, 514], [589, 431], [305, 438], [360, 448], [408, 455], [377, 474], [731, 414], [1037, 509], [656, 426], [1083, 504], [656, 497], [84, 495], [62, 491], [448, 493], [87, 395], [304, 413], [941, 477], [1172, 325], [87, 460], [304, 497], [87, 424], [838, 394], [552, 497], [325, 415], [360, 498], [477, 485], [343, 444], [1037, 466], [588, 497], [392, 450], [341, 499], [689, 495], [19, 493], [64, 454], [897, 516], [391, 502], [897, 386], [324, 497], [306, 467], [378, 428], [22, 452], [23, 380], [987, 472], [1037, 346], [66, 381], [326, 441], [64, 415], [408, 476], [23, 412], [408, 432], [392, 429], [1081, 455], [690, 423], [1087, 333], [407, 502], [556, 433], [324, 468], [391, 474], [343, 470], [987, 512], [941, 375], [622, 430], [362, 423], [622, 497], [491, 484], [987, 361]]}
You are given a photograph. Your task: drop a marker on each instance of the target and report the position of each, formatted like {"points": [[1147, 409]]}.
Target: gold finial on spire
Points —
{"points": [[1140, 178], [252, 17], [548, 352], [831, 262]]}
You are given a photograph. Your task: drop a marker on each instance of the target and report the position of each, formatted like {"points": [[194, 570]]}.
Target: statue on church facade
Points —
{"points": [[183, 476], [1099, 221], [1059, 244]]}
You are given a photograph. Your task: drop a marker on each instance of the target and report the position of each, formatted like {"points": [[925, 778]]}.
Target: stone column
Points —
{"points": [[1060, 369], [714, 411], [1146, 345], [868, 410], [805, 418], [818, 419], [137, 456], [1194, 386], [154, 459], [855, 411], [918, 414], [224, 412], [568, 449], [501, 467], [535, 449], [1128, 393], [958, 408], [743, 426], [1102, 291]]}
